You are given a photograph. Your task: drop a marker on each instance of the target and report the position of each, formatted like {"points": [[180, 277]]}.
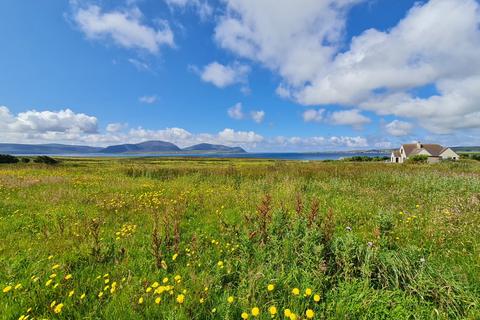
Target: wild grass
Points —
{"points": [[215, 239]]}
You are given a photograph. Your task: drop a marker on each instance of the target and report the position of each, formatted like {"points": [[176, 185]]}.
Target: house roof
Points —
{"points": [[413, 148], [396, 153]]}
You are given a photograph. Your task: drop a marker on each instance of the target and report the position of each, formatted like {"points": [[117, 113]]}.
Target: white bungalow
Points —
{"points": [[435, 152]]}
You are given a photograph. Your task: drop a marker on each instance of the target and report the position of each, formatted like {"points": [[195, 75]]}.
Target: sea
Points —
{"points": [[311, 156]]}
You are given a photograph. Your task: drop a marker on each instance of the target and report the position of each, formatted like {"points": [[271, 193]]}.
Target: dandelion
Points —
{"points": [[148, 289], [295, 291], [202, 300], [316, 298], [272, 310], [308, 292], [230, 299], [82, 296], [271, 287], [255, 312], [214, 310], [71, 293], [244, 315], [68, 277], [140, 300], [53, 275], [165, 280], [287, 313], [106, 275], [310, 314], [58, 308], [100, 294], [107, 281], [53, 304], [180, 298], [157, 301], [174, 257], [177, 278], [220, 264], [50, 257], [155, 284], [18, 286], [293, 316], [49, 282], [55, 266], [7, 288]]}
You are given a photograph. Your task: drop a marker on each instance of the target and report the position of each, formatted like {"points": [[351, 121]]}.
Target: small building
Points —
{"points": [[434, 152]]}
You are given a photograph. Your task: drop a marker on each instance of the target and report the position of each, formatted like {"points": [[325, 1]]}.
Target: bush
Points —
{"points": [[420, 158], [25, 160], [6, 158], [365, 159], [45, 160]]}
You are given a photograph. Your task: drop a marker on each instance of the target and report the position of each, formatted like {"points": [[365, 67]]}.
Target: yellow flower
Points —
{"points": [[272, 310], [270, 287], [293, 316], [175, 257], [68, 277], [177, 278], [53, 275], [18, 286], [295, 291], [50, 257], [220, 264], [244, 315], [7, 288], [255, 312], [100, 294], [82, 296], [155, 284], [310, 314], [165, 280], [202, 300], [71, 293], [180, 298], [148, 289], [230, 299], [106, 275], [140, 300], [316, 298], [58, 308], [157, 301], [308, 292], [287, 313], [48, 282], [53, 304], [107, 281], [55, 266]]}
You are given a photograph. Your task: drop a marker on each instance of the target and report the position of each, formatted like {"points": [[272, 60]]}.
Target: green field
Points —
{"points": [[208, 239]]}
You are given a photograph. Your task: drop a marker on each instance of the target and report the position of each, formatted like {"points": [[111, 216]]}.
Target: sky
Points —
{"points": [[267, 75]]}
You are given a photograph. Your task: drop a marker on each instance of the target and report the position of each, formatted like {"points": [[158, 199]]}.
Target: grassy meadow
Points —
{"points": [[239, 239]]}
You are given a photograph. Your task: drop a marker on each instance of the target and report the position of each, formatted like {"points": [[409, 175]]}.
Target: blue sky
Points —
{"points": [[267, 75]]}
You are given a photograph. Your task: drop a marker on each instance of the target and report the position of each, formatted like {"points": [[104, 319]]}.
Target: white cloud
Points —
{"points": [[116, 127], [348, 117], [313, 115], [344, 117], [436, 44], [223, 76], [258, 116], [125, 28], [398, 128], [148, 99], [202, 8], [139, 65], [236, 112]]}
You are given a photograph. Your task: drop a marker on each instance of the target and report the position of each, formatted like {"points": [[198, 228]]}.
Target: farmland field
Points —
{"points": [[231, 239]]}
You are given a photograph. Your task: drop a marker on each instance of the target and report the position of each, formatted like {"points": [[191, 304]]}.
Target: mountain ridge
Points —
{"points": [[151, 146]]}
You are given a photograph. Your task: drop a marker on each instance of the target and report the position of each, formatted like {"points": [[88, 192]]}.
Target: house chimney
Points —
{"points": [[419, 145]]}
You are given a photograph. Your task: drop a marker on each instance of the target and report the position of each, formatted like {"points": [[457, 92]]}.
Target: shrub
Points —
{"points": [[45, 159], [25, 160], [6, 158], [420, 158]]}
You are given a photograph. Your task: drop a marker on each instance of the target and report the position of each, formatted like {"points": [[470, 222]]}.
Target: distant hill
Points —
{"points": [[13, 148], [206, 147], [466, 149], [144, 147], [148, 146]]}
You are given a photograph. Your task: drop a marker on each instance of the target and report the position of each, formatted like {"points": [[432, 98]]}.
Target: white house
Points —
{"points": [[435, 152]]}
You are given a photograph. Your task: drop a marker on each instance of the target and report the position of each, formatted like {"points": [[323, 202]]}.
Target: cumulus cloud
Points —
{"points": [[116, 127], [223, 76], [236, 112], [258, 116], [301, 41], [125, 28], [398, 128], [148, 99], [344, 117], [202, 8]]}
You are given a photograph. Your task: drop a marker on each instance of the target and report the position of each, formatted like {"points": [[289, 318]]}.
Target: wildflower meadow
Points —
{"points": [[177, 238]]}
